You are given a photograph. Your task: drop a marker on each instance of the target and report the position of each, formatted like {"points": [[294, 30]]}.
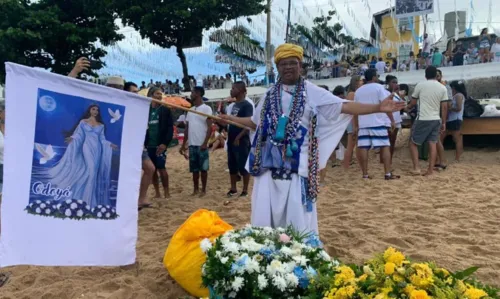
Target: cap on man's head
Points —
{"points": [[287, 51], [115, 80]]}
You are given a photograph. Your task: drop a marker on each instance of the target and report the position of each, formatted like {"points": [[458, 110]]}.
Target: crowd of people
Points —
{"points": [[485, 50], [435, 109]]}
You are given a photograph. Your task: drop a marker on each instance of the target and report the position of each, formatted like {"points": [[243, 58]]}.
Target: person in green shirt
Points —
{"points": [[158, 137], [437, 58]]}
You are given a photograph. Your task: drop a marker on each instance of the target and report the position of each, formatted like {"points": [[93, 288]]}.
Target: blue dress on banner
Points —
{"points": [[85, 167]]}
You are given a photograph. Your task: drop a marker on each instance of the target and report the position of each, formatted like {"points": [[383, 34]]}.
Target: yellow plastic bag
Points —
{"points": [[184, 258]]}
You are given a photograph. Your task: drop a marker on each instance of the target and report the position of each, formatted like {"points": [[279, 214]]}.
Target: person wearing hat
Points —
{"points": [[292, 143]]}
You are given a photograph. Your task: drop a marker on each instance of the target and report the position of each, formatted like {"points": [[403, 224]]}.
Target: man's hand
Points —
{"points": [[393, 126], [161, 149], [443, 127], [226, 117], [82, 64], [204, 147], [389, 105]]}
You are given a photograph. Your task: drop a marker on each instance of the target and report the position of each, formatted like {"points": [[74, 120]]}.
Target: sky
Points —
{"points": [[138, 60]]}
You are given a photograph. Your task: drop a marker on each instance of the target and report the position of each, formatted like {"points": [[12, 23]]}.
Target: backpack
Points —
{"points": [[472, 108]]}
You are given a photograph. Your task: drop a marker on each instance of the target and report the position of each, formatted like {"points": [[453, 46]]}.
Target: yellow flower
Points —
{"points": [[423, 277], [420, 294], [444, 271], [449, 280], [391, 255], [461, 286], [401, 271], [381, 296], [398, 278], [473, 293], [345, 292], [389, 268], [409, 289], [363, 277], [367, 270], [346, 276]]}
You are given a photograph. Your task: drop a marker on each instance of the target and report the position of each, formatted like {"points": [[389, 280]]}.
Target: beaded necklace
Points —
{"points": [[271, 112]]}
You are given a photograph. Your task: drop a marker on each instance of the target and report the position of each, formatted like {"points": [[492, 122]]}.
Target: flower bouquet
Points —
{"points": [[263, 263], [391, 275]]}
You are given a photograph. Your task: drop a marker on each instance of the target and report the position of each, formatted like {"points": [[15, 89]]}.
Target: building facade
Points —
{"points": [[395, 38]]}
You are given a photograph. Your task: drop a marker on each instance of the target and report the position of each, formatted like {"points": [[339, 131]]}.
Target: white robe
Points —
{"points": [[278, 203]]}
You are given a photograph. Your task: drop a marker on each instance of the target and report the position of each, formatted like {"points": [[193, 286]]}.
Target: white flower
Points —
{"points": [[301, 260], [108, 215], [232, 247], [275, 267], [103, 210], [248, 225], [286, 251], [325, 255], [68, 201], [79, 201], [39, 201], [267, 230], [31, 205], [252, 266], [67, 212], [87, 207], [38, 210], [43, 206], [249, 244], [47, 211], [232, 295], [262, 281], [279, 282], [237, 283], [291, 280], [335, 264], [205, 245], [288, 267], [368, 271], [73, 206], [99, 215], [79, 213], [224, 240], [224, 260], [58, 206]]}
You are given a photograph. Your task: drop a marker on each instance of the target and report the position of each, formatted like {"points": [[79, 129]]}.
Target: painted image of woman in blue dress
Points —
{"points": [[85, 167]]}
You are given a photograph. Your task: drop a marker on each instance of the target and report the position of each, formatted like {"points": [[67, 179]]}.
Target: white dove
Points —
{"points": [[47, 153], [115, 116]]}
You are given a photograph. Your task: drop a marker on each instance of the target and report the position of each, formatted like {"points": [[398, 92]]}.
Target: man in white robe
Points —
{"points": [[286, 169]]}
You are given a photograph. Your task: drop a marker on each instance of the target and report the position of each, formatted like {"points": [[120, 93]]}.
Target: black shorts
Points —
{"points": [[237, 157], [454, 125], [158, 161]]}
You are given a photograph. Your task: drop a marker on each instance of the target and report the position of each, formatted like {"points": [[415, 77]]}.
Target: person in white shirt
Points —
{"points": [[380, 66], [426, 51], [371, 128], [495, 50], [198, 132], [393, 87], [432, 98]]}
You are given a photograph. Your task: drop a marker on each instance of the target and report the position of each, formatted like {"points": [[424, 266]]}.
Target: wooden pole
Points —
{"points": [[199, 113]]}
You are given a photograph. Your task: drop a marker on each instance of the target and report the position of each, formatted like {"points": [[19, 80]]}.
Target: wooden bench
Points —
{"points": [[481, 126]]}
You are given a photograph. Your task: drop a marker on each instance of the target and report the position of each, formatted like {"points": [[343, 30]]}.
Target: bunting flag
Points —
{"points": [[410, 8]]}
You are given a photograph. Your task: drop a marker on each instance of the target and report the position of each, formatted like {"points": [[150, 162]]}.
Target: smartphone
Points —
{"points": [[95, 64]]}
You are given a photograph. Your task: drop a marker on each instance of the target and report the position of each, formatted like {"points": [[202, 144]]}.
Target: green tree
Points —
{"points": [[52, 34], [173, 23]]}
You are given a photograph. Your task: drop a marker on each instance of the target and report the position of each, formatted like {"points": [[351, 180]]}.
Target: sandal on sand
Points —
{"points": [[391, 176], [367, 177], [4, 277], [145, 206], [440, 167]]}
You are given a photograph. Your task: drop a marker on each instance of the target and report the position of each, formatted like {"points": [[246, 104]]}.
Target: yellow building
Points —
{"points": [[394, 37]]}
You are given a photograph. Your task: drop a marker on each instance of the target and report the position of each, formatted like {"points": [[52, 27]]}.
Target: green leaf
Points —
{"points": [[465, 273]]}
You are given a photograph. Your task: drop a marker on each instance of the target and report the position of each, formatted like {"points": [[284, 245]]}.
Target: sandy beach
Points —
{"points": [[451, 218]]}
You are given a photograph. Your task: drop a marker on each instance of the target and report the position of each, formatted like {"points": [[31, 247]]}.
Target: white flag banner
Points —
{"points": [[72, 170], [411, 8]]}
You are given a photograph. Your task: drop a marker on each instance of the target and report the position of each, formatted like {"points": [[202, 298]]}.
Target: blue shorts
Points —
{"points": [[374, 137], [158, 161], [198, 159]]}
